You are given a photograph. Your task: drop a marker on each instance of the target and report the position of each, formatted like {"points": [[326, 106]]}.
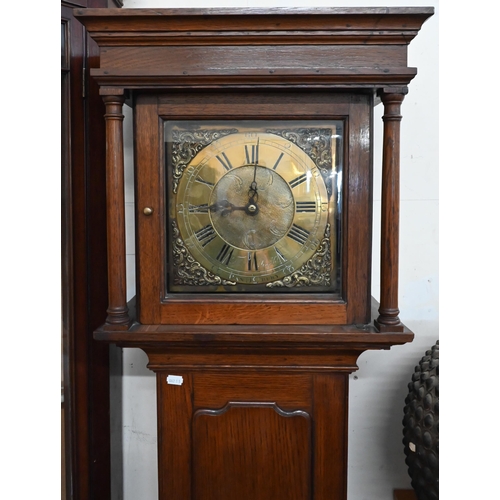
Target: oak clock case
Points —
{"points": [[253, 178], [253, 206]]}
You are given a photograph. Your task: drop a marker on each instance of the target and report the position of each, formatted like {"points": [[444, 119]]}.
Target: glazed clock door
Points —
{"points": [[241, 205], [251, 207]]}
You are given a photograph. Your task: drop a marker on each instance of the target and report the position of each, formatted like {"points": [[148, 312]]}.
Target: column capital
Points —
{"points": [[383, 92]]}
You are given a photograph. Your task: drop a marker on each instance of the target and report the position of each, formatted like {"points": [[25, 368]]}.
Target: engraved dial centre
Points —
{"points": [[253, 218]]}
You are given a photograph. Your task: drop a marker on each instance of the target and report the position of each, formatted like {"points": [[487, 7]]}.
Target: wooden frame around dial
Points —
{"points": [[352, 306]]}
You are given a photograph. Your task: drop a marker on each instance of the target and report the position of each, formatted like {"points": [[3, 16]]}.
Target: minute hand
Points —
{"points": [[252, 192]]}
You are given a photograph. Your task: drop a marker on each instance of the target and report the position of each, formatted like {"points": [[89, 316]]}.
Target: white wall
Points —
{"points": [[378, 389]]}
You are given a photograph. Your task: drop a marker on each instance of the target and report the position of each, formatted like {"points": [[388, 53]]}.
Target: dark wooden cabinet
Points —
{"points": [[252, 385], [84, 276]]}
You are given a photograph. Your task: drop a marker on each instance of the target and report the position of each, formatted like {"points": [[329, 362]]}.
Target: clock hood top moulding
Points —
{"points": [[279, 47]]}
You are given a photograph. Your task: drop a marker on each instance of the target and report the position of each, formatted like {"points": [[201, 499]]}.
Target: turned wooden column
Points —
{"points": [[115, 205], [388, 319]]}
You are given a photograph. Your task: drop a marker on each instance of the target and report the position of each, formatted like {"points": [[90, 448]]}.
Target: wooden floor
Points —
{"points": [[404, 495]]}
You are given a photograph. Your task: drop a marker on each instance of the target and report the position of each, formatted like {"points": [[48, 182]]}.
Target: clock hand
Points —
{"points": [[221, 205], [252, 192], [226, 207]]}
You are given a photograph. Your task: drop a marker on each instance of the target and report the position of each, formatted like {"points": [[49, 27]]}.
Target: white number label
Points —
{"points": [[175, 380]]}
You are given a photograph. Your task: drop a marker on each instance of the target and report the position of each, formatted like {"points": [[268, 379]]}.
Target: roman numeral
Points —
{"points": [[198, 209], [205, 235], [277, 161], [252, 261], [298, 234], [225, 162], [279, 254], [199, 179], [252, 158], [225, 254], [305, 206], [298, 180]]}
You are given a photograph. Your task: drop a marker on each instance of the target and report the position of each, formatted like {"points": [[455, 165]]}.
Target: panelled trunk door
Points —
{"points": [[247, 436], [232, 444]]}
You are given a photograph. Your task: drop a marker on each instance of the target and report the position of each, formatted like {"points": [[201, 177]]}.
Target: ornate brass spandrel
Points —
{"points": [[316, 271], [187, 270], [187, 144]]}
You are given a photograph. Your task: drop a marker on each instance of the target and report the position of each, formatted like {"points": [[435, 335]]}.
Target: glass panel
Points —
{"points": [[254, 206]]}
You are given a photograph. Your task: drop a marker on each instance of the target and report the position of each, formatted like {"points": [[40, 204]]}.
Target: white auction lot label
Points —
{"points": [[175, 380]]}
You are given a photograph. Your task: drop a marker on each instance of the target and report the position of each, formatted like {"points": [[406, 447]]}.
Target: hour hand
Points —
{"points": [[224, 207], [218, 205]]}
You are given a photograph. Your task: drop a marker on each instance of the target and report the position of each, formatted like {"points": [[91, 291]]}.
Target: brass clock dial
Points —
{"points": [[250, 209]]}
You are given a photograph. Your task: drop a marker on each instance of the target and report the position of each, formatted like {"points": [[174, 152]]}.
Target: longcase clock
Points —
{"points": [[253, 174]]}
